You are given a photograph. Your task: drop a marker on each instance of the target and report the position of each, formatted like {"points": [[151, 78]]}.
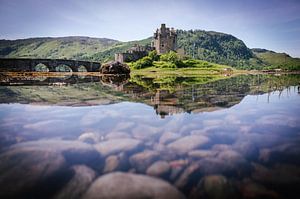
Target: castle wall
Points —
{"points": [[130, 56]]}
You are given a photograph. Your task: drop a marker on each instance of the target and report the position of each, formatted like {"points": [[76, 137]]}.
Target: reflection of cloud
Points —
{"points": [[43, 125], [212, 122], [232, 119], [277, 119], [245, 129], [123, 126], [95, 116], [175, 123], [33, 108]]}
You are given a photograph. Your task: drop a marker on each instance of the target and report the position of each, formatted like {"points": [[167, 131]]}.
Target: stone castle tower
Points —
{"points": [[164, 40]]}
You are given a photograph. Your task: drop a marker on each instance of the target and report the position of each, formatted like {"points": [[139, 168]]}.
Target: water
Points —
{"points": [[209, 137]]}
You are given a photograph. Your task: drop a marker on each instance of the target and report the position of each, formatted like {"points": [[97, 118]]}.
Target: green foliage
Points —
{"points": [[170, 57], [143, 63], [153, 55], [173, 59], [164, 64]]}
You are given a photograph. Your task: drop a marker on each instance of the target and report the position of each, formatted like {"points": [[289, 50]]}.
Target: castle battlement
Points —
{"points": [[164, 39]]}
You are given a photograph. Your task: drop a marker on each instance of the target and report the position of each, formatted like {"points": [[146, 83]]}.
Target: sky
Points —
{"points": [[270, 24]]}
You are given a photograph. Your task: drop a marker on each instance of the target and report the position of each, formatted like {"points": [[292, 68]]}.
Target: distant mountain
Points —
{"points": [[55, 48], [199, 44], [277, 60]]}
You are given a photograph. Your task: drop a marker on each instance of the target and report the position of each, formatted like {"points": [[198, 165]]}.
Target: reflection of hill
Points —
{"points": [[168, 95], [205, 97]]}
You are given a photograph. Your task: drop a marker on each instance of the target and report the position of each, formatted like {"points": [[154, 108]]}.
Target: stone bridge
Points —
{"points": [[31, 65]]}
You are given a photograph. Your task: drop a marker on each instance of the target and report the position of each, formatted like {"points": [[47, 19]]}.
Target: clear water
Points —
{"points": [[237, 137]]}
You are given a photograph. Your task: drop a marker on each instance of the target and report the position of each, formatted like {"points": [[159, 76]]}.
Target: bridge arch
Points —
{"points": [[40, 67], [82, 68], [63, 68]]}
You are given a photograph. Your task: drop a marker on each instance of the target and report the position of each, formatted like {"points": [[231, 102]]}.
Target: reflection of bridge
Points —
{"points": [[29, 65], [110, 80]]}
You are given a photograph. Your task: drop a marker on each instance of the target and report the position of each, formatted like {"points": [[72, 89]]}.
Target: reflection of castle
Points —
{"points": [[165, 104], [164, 40]]}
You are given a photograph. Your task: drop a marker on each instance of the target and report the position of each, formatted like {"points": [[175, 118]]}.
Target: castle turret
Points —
{"points": [[165, 40]]}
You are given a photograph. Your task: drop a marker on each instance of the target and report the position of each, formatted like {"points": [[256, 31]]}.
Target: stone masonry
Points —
{"points": [[134, 53], [164, 39]]}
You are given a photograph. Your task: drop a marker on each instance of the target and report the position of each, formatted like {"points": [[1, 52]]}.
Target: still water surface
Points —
{"points": [[237, 137]]}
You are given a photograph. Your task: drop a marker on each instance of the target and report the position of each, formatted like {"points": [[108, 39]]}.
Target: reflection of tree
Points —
{"points": [[170, 95]]}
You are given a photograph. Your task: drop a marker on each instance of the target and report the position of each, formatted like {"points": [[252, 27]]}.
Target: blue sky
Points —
{"points": [[271, 24]]}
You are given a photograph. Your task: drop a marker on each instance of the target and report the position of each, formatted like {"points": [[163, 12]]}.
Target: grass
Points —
{"points": [[191, 68]]}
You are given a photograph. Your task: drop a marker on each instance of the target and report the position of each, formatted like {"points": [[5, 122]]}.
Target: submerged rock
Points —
{"points": [[168, 137], [231, 156], [89, 137], [188, 143], [141, 161], [117, 135], [115, 68], [188, 177], [202, 153], [116, 146], [165, 153], [252, 190], [116, 163], [221, 147], [279, 175], [215, 187], [145, 132], [159, 169], [25, 172], [75, 152], [226, 162], [77, 186], [131, 186]]}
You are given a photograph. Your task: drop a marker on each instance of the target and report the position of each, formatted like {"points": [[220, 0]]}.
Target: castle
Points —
{"points": [[134, 53], [164, 40]]}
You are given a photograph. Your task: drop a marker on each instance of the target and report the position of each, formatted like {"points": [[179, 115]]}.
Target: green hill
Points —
{"points": [[277, 60], [214, 47], [54, 48]]}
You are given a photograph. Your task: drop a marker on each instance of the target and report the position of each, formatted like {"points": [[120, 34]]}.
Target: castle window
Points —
{"points": [[162, 45]]}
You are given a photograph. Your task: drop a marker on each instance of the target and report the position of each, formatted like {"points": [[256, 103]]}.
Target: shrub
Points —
{"points": [[143, 63], [164, 64], [153, 55], [170, 57]]}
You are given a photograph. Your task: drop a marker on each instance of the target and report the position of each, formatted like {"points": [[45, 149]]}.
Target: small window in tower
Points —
{"points": [[162, 45]]}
